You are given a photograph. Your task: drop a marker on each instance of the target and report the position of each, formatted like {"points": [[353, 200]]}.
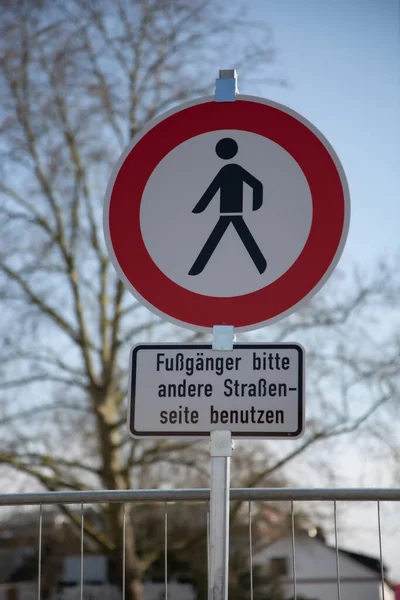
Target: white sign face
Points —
{"points": [[255, 390], [279, 226]]}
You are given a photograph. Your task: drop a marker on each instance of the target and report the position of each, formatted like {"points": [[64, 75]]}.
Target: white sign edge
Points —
{"points": [[179, 108]]}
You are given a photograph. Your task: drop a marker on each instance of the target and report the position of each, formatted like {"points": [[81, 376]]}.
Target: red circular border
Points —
{"points": [[298, 281]]}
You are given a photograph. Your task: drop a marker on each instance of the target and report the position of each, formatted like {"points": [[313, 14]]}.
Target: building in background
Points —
{"points": [[316, 570]]}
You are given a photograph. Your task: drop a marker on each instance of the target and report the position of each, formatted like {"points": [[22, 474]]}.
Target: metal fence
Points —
{"points": [[294, 583]]}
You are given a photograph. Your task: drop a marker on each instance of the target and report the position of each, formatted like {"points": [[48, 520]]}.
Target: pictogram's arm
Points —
{"points": [[257, 188], [207, 196]]}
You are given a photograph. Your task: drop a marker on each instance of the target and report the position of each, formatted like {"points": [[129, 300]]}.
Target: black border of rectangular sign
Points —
{"points": [[204, 434]]}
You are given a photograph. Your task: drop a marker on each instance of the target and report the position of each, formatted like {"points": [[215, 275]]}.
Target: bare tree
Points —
{"points": [[78, 80]]}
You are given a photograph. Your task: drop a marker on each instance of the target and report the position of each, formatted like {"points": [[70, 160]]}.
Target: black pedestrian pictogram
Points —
{"points": [[229, 181]]}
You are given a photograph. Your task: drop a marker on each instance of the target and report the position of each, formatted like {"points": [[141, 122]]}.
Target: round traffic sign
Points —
{"points": [[227, 213]]}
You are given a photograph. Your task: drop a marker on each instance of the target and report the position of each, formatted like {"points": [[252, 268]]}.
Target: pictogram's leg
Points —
{"points": [[210, 245], [250, 243]]}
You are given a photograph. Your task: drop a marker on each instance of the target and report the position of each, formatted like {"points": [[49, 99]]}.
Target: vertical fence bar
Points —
{"points": [[124, 552], [337, 551], [165, 552], [293, 552], [380, 549], [251, 555], [39, 588], [82, 524]]}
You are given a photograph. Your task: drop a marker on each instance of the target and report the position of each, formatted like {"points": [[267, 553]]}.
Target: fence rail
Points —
{"points": [[201, 495], [342, 588]]}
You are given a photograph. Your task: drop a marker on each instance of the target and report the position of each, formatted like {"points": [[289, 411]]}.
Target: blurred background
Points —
{"points": [[78, 80]]}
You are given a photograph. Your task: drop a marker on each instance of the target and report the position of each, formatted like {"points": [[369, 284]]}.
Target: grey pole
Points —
{"points": [[221, 452]]}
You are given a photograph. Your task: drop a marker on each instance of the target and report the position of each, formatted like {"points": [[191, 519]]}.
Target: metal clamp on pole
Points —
{"points": [[223, 337], [221, 450], [226, 86]]}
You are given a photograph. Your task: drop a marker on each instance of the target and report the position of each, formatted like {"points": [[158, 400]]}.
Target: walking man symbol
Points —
{"points": [[229, 181]]}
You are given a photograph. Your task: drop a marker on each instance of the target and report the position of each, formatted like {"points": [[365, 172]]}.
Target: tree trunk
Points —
{"points": [[109, 445], [134, 589], [125, 555], [132, 575]]}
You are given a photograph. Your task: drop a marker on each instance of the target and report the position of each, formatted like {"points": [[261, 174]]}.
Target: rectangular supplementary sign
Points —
{"points": [[255, 390]]}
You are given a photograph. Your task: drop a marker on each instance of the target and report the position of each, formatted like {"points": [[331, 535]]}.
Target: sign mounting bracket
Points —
{"points": [[226, 86], [223, 337]]}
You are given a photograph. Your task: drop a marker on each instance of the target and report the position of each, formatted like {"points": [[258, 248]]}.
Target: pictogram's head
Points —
{"points": [[226, 148]]}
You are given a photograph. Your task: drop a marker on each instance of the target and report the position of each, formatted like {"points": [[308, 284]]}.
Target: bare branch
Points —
{"points": [[101, 540], [39, 302], [25, 415], [24, 381]]}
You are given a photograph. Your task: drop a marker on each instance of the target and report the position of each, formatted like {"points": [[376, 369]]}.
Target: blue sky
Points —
{"points": [[342, 62]]}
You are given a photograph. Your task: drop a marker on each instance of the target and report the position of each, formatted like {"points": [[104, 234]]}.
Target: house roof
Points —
{"points": [[368, 561], [374, 564]]}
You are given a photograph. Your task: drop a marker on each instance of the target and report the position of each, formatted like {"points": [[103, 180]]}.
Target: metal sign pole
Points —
{"points": [[221, 451], [221, 441]]}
